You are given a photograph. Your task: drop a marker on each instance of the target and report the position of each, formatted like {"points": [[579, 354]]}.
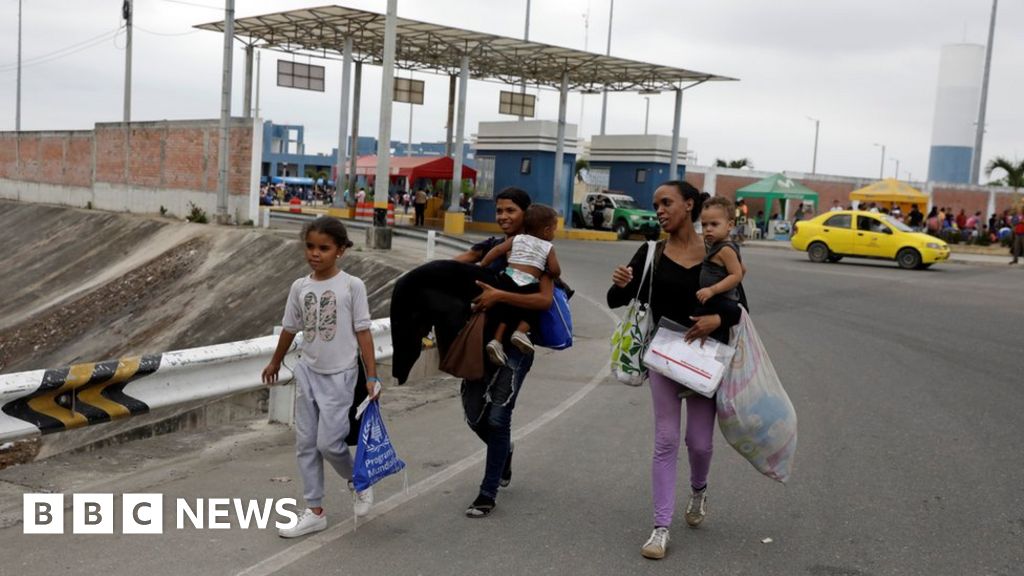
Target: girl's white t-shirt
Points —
{"points": [[529, 251], [328, 313]]}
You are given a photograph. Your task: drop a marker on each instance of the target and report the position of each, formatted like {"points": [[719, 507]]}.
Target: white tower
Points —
{"points": [[956, 111]]}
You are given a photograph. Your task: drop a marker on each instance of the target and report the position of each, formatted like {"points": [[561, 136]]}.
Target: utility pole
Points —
{"points": [[814, 161], [607, 52], [881, 169], [979, 135], [225, 113], [126, 13], [17, 106]]}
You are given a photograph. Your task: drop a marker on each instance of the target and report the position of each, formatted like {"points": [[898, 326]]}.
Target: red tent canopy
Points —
{"points": [[415, 167]]}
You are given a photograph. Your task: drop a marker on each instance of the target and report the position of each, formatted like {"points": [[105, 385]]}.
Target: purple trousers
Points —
{"points": [[700, 429]]}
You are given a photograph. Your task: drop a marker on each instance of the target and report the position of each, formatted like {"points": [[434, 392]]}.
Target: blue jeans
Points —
{"points": [[493, 423]]}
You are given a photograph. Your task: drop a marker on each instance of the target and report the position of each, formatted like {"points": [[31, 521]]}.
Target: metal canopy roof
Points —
{"points": [[321, 32]]}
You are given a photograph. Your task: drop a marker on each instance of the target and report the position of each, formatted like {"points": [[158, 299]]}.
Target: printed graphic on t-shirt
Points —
{"points": [[309, 317], [320, 321], [328, 316]]}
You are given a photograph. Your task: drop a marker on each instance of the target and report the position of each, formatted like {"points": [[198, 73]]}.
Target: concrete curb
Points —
{"points": [[959, 258]]}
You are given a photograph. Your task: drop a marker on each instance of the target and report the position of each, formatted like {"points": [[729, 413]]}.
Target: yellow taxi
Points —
{"points": [[832, 235]]}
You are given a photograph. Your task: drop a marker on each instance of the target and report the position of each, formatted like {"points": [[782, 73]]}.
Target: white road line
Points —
{"points": [[298, 551]]}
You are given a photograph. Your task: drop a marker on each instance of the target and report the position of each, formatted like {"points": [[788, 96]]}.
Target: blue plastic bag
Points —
{"points": [[554, 328], [375, 456]]}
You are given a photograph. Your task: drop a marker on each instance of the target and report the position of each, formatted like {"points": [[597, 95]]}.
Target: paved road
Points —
{"points": [[909, 399]]}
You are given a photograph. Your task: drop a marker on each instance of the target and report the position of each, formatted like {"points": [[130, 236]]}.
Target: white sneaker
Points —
{"points": [[656, 545], [496, 354], [697, 507], [309, 522], [361, 501], [522, 342]]}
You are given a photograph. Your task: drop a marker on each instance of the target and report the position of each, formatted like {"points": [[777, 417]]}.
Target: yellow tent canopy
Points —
{"points": [[890, 192]]}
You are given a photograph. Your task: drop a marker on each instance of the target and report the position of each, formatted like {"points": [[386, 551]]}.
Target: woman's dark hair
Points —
{"points": [[518, 196], [329, 226], [689, 192], [934, 212]]}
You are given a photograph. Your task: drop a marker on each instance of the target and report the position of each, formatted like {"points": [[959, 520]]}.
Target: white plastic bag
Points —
{"points": [[754, 412], [699, 367]]}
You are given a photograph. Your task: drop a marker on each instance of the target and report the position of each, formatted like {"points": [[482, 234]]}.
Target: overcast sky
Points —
{"points": [[866, 68]]}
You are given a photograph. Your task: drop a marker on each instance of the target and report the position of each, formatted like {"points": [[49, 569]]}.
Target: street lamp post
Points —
{"points": [[814, 160], [607, 52], [881, 168], [647, 113], [17, 106], [979, 135], [896, 173]]}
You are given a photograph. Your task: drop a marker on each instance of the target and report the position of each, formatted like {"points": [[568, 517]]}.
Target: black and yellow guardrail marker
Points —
{"points": [[84, 394]]}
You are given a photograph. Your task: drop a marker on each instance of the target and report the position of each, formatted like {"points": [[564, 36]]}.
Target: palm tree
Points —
{"points": [[737, 164], [1014, 172], [1014, 175]]}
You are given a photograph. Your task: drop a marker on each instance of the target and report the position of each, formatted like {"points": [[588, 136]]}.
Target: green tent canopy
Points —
{"points": [[778, 187]]}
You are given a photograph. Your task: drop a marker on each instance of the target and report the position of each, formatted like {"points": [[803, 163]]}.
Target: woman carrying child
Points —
{"points": [[488, 403], [677, 270], [529, 256]]}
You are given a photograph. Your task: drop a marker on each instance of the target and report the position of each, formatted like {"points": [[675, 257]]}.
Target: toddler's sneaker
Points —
{"points": [[522, 342], [496, 354], [656, 545], [361, 501], [309, 522], [697, 507]]}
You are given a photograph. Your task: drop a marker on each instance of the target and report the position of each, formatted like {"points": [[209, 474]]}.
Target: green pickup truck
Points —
{"points": [[616, 212]]}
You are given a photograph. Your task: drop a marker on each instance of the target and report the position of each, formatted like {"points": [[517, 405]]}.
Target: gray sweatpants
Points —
{"points": [[322, 402]]}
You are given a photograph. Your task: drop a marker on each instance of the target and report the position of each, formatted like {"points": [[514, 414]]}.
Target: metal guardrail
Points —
{"points": [[440, 238], [46, 401]]}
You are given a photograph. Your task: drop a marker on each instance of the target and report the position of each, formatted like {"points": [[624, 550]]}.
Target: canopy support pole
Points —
{"points": [[346, 72], [460, 136], [357, 86], [556, 198], [673, 167], [379, 235]]}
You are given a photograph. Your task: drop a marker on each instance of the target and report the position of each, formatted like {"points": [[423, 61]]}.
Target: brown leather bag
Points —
{"points": [[465, 356]]}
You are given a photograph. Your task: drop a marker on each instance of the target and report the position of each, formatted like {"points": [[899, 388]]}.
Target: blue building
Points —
{"points": [[521, 154], [634, 165], [284, 152]]}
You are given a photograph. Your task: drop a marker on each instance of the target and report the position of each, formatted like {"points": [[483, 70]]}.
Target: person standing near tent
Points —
{"points": [[915, 217], [420, 205], [1018, 237]]}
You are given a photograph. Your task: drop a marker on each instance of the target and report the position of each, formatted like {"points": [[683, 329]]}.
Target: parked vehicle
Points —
{"points": [[833, 235], [618, 212]]}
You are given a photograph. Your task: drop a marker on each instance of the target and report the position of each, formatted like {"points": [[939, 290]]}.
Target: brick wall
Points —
{"points": [[170, 155], [830, 188]]}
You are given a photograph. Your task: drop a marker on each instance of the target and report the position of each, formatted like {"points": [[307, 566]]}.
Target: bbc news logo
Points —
{"points": [[144, 513]]}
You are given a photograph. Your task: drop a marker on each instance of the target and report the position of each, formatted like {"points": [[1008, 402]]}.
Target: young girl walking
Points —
{"points": [[330, 308]]}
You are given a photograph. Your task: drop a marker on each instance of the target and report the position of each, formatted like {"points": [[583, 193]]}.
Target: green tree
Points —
{"points": [[1014, 172], [1014, 176], [581, 164], [737, 164]]}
